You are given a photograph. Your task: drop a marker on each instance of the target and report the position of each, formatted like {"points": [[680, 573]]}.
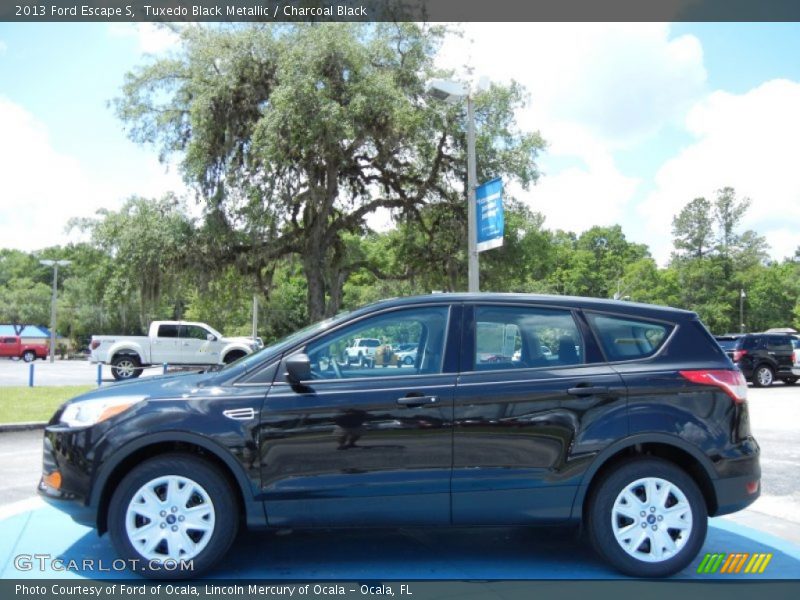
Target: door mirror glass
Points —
{"points": [[298, 368]]}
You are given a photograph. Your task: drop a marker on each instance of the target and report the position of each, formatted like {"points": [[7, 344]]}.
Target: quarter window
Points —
{"points": [[628, 339], [514, 337]]}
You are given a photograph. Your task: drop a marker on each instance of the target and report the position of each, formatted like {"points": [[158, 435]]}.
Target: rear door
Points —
{"points": [[164, 347], [527, 398]]}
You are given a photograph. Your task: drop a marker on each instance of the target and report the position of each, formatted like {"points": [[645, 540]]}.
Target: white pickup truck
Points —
{"points": [[171, 342]]}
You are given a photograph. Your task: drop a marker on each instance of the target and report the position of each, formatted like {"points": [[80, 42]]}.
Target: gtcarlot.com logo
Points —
{"points": [[734, 563]]}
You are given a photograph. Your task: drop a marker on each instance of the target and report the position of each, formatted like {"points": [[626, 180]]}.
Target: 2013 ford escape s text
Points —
{"points": [[635, 423]]}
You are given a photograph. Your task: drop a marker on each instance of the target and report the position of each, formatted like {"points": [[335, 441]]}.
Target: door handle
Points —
{"points": [[417, 400], [588, 390]]}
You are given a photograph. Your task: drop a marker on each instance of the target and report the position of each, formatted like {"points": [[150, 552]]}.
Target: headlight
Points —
{"points": [[91, 412]]}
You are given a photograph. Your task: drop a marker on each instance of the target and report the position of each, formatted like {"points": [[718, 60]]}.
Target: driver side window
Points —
{"points": [[401, 342]]}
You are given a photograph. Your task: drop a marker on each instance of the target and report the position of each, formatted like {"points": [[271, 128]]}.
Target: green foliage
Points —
{"points": [[295, 133]]}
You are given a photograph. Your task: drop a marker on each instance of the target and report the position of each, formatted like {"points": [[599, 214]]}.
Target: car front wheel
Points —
{"points": [[173, 517], [647, 518]]}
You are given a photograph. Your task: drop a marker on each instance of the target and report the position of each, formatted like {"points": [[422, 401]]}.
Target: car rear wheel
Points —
{"points": [[763, 376], [408, 361], [647, 518], [125, 367], [29, 356], [173, 516]]}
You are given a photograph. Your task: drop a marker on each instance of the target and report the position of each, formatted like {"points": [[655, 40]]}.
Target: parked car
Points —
{"points": [[406, 354], [765, 357], [727, 342], [11, 346], [172, 342], [361, 351], [640, 434], [796, 356]]}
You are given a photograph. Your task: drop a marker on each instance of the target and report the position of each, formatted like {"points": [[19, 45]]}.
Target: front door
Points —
{"points": [[364, 444]]}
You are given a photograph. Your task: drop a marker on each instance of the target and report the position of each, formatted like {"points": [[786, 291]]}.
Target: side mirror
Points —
{"points": [[298, 368], [211, 337]]}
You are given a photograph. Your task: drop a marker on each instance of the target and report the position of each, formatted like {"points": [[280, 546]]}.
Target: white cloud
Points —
{"points": [[748, 141], [151, 38], [594, 88], [45, 187]]}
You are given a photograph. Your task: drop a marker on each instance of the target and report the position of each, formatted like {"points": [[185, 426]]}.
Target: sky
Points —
{"points": [[639, 120]]}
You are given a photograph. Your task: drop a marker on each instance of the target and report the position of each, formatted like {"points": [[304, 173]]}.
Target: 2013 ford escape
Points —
{"points": [[635, 423]]}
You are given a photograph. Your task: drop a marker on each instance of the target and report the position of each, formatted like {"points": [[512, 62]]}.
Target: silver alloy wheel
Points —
{"points": [[651, 519], [764, 376], [170, 517], [125, 368]]}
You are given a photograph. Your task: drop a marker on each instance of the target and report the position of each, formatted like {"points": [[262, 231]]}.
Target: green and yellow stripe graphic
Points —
{"points": [[734, 563]]}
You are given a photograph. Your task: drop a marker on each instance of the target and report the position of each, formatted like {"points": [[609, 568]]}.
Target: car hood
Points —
{"points": [[159, 386]]}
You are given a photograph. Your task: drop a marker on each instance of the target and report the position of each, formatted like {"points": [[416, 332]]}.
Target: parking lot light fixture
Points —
{"points": [[55, 264], [453, 92]]}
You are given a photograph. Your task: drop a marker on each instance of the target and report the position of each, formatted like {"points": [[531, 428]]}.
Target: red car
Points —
{"points": [[12, 346]]}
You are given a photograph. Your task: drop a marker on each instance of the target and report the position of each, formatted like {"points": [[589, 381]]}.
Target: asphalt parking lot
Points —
{"points": [[771, 524], [60, 372]]}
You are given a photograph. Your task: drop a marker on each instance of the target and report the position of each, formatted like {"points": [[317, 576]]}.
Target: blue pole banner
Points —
{"points": [[489, 198]]}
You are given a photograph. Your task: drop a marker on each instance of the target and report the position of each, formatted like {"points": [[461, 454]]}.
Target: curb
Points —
{"points": [[6, 427]]}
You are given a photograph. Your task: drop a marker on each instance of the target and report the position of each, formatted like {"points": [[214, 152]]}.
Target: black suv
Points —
{"points": [[634, 423], [765, 357]]}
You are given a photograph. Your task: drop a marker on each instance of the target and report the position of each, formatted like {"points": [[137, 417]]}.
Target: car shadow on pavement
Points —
{"points": [[519, 553]]}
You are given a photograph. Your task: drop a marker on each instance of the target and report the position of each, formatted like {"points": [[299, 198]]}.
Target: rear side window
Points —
{"points": [[628, 339], [168, 331], [748, 342], [513, 337]]}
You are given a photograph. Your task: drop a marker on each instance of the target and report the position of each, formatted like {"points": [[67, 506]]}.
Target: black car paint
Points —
{"points": [[496, 447], [774, 350]]}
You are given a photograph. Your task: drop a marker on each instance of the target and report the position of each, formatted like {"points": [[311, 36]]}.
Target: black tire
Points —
{"points": [[29, 356], [763, 376], [222, 499], [232, 356], [790, 380], [600, 518], [125, 367], [408, 361]]}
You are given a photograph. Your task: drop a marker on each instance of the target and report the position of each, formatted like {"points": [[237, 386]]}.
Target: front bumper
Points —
{"points": [[67, 497]]}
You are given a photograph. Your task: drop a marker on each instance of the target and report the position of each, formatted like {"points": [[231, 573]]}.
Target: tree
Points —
{"points": [[24, 302], [150, 241], [692, 229], [294, 134]]}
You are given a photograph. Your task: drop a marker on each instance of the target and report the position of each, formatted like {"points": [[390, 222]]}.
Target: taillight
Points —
{"points": [[739, 355], [732, 383], [95, 344]]}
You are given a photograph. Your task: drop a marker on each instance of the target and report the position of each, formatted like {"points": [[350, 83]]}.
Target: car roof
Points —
{"points": [[599, 304]]}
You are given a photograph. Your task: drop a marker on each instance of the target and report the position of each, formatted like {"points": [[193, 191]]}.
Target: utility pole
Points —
{"points": [[55, 264], [742, 296], [473, 272]]}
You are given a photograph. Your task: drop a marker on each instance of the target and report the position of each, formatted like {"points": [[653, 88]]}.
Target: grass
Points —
{"points": [[23, 404]]}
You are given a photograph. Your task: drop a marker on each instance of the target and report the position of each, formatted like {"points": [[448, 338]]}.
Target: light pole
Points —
{"points": [[452, 92], [55, 264], [742, 296]]}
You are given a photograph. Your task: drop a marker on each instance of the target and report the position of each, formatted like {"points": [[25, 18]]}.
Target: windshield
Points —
{"points": [[255, 358]]}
